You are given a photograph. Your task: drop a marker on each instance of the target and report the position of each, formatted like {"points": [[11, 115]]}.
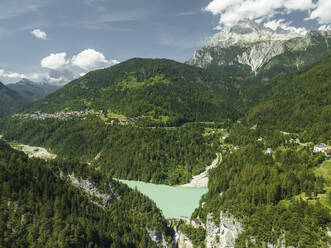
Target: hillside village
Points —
{"points": [[63, 115]]}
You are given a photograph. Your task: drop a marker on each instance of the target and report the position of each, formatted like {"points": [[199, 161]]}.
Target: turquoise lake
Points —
{"points": [[174, 202]]}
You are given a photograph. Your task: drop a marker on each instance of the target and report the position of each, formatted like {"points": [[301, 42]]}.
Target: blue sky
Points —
{"points": [[57, 40]]}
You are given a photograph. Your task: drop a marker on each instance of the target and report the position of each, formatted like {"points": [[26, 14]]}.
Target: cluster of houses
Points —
{"points": [[129, 120], [322, 148], [60, 115], [230, 148]]}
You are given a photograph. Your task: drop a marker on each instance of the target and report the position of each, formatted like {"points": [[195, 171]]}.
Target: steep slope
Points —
{"points": [[33, 91], [147, 87], [66, 204], [273, 197], [297, 102], [157, 155], [10, 101], [263, 50]]}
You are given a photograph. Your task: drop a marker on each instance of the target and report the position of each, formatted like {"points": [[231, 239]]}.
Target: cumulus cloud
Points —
{"points": [[90, 59], [54, 61], [322, 12], [15, 75], [231, 11], [39, 34], [281, 23], [63, 70], [59, 77]]}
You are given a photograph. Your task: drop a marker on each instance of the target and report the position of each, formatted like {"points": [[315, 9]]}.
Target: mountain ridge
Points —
{"points": [[147, 87], [33, 91], [10, 101], [264, 50]]}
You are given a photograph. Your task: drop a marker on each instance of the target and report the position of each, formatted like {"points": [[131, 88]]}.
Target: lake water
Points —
{"points": [[174, 202]]}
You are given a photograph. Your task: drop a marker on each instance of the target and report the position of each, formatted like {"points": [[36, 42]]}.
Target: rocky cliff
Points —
{"points": [[90, 188], [158, 238], [224, 234]]}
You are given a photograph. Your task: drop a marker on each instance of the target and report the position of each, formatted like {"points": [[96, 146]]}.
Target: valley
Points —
{"points": [[230, 149]]}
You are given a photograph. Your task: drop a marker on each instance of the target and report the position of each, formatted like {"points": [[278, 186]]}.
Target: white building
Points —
{"points": [[268, 151], [320, 148]]}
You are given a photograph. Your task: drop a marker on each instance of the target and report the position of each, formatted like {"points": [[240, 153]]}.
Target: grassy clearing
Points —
{"points": [[112, 115], [213, 131], [324, 170]]}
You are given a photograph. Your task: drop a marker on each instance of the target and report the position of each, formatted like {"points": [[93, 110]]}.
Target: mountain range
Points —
{"points": [[13, 97], [258, 98], [32, 91], [10, 101], [261, 50]]}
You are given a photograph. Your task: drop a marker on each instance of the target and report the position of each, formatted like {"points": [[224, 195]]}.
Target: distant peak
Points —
{"points": [[25, 81], [245, 26]]}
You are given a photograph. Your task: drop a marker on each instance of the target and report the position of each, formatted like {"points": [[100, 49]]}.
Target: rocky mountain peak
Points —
{"points": [[245, 26], [247, 31], [248, 43]]}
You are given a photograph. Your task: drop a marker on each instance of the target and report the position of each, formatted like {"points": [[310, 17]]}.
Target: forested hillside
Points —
{"points": [[275, 196], [297, 102], [158, 88], [158, 155], [10, 101], [40, 208]]}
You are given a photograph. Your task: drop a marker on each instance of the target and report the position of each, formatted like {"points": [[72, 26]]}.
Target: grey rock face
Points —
{"points": [[183, 241], [260, 53], [158, 238], [91, 190], [224, 235], [212, 233], [229, 230]]}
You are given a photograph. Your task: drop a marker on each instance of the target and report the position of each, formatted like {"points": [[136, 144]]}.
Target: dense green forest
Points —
{"points": [[299, 102], [148, 87], [39, 207], [157, 155], [273, 195]]}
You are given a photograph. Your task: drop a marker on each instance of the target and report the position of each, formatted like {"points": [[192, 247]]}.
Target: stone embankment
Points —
{"points": [[201, 180]]}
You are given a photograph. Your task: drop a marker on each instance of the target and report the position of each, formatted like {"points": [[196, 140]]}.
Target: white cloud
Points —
{"points": [[13, 75], [90, 59], [325, 28], [39, 34], [50, 80], [54, 61], [322, 12], [59, 77], [274, 24], [301, 5], [231, 11], [61, 69]]}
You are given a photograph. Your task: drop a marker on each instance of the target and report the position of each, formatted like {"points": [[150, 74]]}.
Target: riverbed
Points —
{"points": [[34, 151]]}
